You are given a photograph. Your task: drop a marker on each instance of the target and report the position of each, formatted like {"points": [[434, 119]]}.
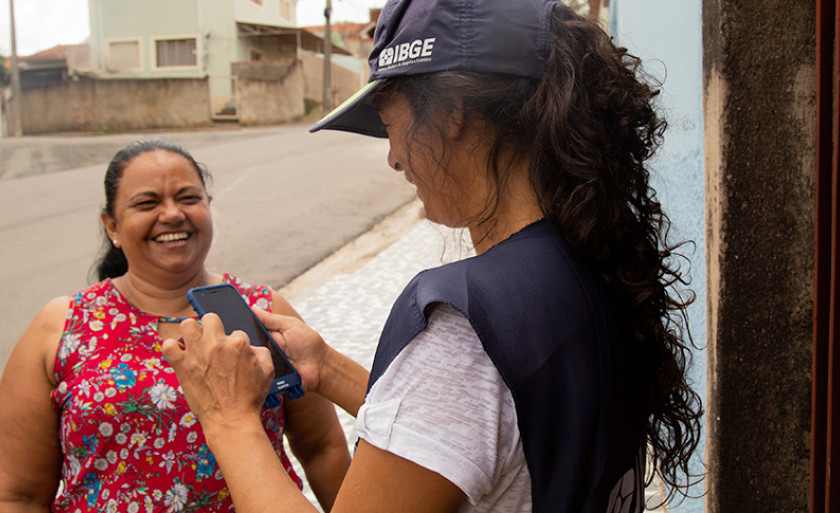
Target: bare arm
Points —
{"points": [[317, 440], [30, 454], [225, 379], [377, 481]]}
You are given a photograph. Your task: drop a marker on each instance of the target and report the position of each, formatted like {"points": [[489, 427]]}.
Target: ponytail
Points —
{"points": [[112, 262]]}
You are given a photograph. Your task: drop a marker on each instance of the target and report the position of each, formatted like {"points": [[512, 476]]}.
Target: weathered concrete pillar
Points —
{"points": [[759, 103]]}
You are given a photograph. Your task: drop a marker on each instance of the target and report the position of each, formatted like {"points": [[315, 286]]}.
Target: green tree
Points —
{"points": [[4, 73]]}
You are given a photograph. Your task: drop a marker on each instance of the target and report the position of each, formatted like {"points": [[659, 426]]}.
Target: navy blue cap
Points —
{"points": [[508, 37]]}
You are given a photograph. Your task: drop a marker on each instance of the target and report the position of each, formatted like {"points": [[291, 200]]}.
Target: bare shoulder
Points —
{"points": [[56, 307], [50, 319], [37, 346]]}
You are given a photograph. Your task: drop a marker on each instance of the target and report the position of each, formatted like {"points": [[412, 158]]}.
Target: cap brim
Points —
{"points": [[357, 114]]}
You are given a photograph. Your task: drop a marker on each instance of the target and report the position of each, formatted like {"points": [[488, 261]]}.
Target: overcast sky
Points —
{"points": [[42, 24]]}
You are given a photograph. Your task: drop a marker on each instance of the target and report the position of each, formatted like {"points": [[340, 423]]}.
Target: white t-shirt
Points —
{"points": [[442, 404]]}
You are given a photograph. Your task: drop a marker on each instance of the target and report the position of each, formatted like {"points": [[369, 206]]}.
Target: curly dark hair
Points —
{"points": [[111, 261], [587, 127]]}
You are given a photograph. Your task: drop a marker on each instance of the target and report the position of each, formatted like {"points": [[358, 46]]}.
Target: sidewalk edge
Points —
{"points": [[355, 253]]}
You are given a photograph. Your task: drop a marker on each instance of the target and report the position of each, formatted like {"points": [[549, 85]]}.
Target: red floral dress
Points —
{"points": [[129, 441]]}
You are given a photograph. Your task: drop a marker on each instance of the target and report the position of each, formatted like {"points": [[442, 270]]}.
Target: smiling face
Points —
{"points": [[161, 216]]}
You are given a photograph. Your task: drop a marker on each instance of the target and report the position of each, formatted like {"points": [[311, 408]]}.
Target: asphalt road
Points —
{"points": [[283, 200]]}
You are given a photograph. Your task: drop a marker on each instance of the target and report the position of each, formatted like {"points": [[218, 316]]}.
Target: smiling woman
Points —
{"points": [[156, 216], [88, 399]]}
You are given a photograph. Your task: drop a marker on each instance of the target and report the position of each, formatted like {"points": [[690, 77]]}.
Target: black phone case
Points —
{"points": [[290, 384]]}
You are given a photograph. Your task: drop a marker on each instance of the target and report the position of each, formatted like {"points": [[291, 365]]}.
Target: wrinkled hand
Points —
{"points": [[302, 345], [223, 377]]}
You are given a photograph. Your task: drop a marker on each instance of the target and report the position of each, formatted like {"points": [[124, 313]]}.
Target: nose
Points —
{"points": [[394, 163], [171, 212]]}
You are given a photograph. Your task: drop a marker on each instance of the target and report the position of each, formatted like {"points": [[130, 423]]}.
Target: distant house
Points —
{"points": [[132, 39], [152, 64], [192, 38], [357, 38], [44, 67]]}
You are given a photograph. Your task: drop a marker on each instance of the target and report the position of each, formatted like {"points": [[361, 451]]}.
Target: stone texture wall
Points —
{"points": [[273, 94], [116, 105], [267, 92], [759, 110], [275, 69]]}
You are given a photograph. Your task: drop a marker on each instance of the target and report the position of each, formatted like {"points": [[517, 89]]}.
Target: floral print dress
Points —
{"points": [[129, 441]]}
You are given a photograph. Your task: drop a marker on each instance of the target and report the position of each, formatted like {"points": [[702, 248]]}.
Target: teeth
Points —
{"points": [[172, 237]]}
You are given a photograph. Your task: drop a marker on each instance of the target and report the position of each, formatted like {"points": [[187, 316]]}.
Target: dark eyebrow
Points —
{"points": [[143, 194], [190, 188], [152, 194]]}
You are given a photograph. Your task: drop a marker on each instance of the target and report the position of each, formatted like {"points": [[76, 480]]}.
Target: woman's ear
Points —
{"points": [[110, 225]]}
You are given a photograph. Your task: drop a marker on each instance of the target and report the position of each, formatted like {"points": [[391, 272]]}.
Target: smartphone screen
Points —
{"points": [[228, 304]]}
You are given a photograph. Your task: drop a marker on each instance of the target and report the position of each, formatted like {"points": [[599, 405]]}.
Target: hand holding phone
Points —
{"points": [[226, 302]]}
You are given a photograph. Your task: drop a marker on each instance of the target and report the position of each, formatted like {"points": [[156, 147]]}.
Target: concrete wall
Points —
{"points": [[269, 92], [106, 105], [264, 70], [759, 103], [666, 35]]}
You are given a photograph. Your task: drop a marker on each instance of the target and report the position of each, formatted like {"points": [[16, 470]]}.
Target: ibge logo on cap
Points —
{"points": [[419, 50]]}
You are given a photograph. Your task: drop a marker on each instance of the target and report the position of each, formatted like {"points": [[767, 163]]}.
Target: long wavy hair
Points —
{"points": [[111, 261], [588, 127]]}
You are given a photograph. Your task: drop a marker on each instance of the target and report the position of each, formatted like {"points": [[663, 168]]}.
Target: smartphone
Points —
{"points": [[226, 302]]}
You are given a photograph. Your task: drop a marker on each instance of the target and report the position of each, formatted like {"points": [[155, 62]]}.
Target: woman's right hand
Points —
{"points": [[302, 345], [322, 369]]}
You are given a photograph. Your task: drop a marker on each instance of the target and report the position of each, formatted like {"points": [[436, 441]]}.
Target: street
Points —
{"points": [[283, 200]]}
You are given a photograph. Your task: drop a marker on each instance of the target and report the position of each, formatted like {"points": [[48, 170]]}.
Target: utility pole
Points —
{"points": [[327, 100], [17, 126]]}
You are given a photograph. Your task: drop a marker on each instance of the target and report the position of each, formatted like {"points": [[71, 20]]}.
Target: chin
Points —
{"points": [[178, 267], [448, 221]]}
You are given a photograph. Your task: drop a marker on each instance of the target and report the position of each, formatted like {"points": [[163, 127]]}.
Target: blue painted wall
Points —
{"points": [[667, 35]]}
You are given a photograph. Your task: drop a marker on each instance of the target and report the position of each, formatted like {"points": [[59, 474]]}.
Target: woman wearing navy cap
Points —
{"points": [[538, 375]]}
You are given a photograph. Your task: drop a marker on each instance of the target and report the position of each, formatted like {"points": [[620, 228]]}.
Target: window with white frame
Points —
{"points": [[286, 9], [176, 52], [124, 55]]}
